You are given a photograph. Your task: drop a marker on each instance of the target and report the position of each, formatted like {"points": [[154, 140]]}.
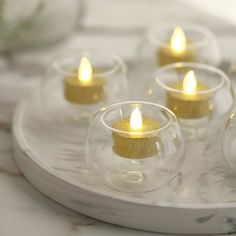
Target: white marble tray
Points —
{"points": [[201, 200]]}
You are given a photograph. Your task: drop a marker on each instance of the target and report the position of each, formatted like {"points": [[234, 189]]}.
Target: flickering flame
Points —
{"points": [[178, 40], [85, 70], [189, 83], [136, 119]]}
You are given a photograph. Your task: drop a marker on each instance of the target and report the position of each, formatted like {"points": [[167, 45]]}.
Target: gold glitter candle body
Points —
{"points": [[189, 104], [134, 143], [167, 56], [176, 49], [84, 89], [78, 92]]}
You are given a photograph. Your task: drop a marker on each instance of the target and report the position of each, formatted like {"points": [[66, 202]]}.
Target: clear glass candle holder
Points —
{"points": [[169, 43], [200, 95], [231, 72], [69, 99], [229, 141], [43, 24], [135, 160]]}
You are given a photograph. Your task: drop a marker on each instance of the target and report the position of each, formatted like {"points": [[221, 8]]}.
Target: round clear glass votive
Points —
{"points": [[231, 72], [43, 24], [79, 82], [132, 159], [169, 43], [200, 95], [229, 141]]}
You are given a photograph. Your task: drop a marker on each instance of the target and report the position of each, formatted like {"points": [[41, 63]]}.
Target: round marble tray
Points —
{"points": [[201, 200]]}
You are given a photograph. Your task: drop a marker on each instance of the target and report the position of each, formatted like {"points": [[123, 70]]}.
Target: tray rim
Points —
{"points": [[23, 144]]}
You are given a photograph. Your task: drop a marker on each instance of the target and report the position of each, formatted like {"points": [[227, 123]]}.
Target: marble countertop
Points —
{"points": [[24, 210]]}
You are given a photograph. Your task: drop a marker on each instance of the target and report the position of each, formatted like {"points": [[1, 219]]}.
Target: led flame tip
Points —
{"points": [[85, 70], [178, 40], [136, 119], [190, 83]]}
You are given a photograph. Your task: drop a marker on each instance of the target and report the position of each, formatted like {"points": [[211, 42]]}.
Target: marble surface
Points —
{"points": [[109, 25], [25, 211]]}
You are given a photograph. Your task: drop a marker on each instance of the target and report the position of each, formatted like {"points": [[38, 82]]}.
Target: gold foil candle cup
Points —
{"points": [[135, 146], [195, 93], [172, 42], [78, 82], [177, 48], [134, 143], [82, 88], [187, 103]]}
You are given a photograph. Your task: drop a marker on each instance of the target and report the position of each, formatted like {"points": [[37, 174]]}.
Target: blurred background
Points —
{"points": [[32, 32]]}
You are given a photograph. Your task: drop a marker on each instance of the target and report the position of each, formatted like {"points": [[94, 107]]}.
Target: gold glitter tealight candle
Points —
{"points": [[130, 138], [176, 49], [187, 102], [82, 88]]}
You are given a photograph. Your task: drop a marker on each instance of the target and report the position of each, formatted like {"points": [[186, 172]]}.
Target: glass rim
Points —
{"points": [[165, 26], [223, 77], [105, 110], [119, 63]]}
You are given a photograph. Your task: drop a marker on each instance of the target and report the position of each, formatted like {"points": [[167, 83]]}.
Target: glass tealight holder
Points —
{"points": [[169, 43], [231, 72], [135, 146], [229, 141], [79, 82], [200, 95]]}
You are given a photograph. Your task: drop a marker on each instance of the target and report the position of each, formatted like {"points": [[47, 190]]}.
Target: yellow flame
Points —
{"points": [[190, 83], [178, 41], [136, 119], [85, 70]]}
